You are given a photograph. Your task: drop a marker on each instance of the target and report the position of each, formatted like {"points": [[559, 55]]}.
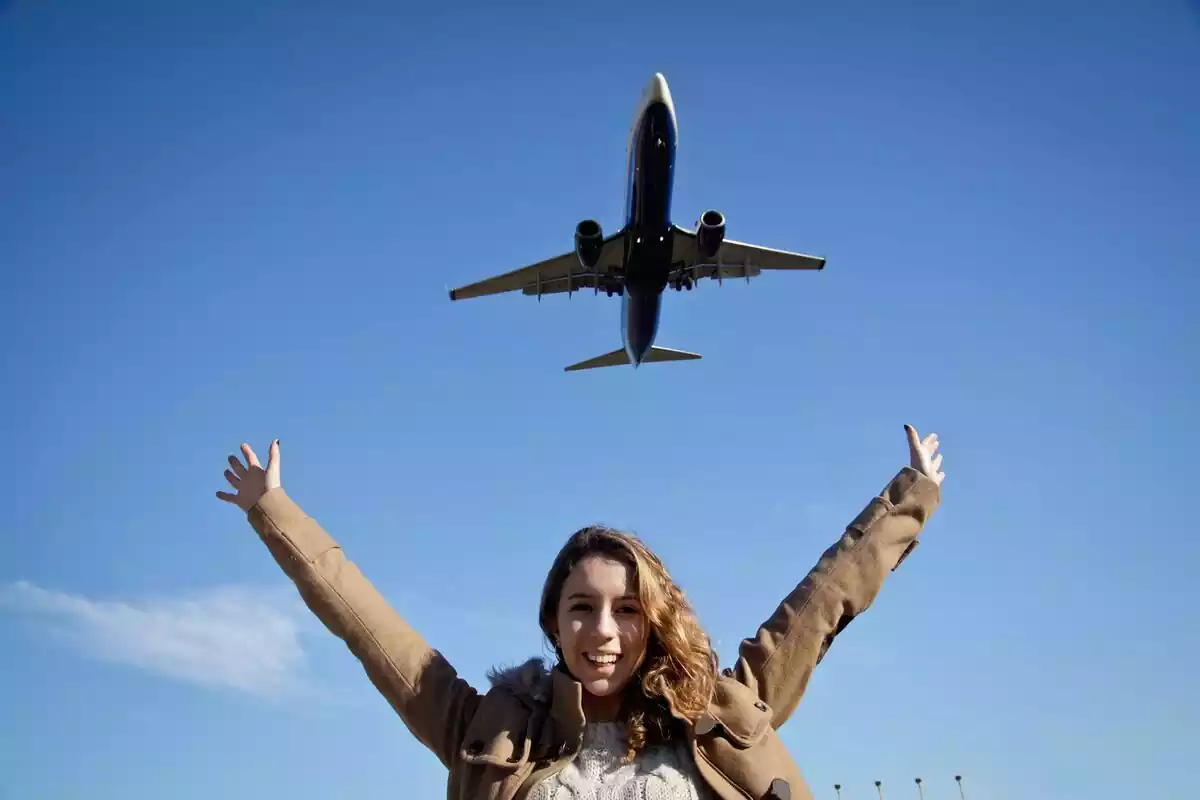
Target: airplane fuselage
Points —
{"points": [[648, 233]]}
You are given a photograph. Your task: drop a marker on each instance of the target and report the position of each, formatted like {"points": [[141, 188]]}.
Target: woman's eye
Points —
{"points": [[581, 607]]}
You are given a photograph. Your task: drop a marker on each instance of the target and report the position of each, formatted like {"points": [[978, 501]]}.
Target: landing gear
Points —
{"points": [[681, 283]]}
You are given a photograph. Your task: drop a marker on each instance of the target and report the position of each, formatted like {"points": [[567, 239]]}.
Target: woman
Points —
{"points": [[635, 708]]}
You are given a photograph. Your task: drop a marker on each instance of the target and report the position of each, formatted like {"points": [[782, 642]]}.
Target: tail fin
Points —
{"points": [[618, 357]]}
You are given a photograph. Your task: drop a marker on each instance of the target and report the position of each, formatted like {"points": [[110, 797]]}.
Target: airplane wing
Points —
{"points": [[734, 259], [562, 273]]}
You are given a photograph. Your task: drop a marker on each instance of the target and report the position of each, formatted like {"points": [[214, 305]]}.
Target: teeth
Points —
{"points": [[604, 659]]}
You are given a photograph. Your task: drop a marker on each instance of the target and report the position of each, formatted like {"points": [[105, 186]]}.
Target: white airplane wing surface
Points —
{"points": [[734, 259], [561, 273]]}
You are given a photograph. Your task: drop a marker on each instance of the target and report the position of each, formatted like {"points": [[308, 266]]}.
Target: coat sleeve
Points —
{"points": [[419, 683], [779, 659]]}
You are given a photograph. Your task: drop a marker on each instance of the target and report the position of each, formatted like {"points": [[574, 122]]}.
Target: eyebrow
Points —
{"points": [[587, 596]]}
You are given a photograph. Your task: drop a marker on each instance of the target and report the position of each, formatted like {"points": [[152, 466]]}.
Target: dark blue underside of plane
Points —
{"points": [[648, 238]]}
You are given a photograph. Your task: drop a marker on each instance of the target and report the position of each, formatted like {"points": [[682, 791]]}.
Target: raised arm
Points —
{"points": [[424, 689], [779, 659]]}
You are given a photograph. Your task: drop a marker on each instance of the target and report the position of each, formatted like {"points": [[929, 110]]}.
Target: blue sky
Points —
{"points": [[231, 221]]}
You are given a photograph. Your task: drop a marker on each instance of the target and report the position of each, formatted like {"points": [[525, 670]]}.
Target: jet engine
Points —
{"points": [[589, 242], [710, 232]]}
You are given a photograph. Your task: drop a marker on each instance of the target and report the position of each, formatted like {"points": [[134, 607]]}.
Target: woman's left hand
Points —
{"points": [[250, 480], [921, 455]]}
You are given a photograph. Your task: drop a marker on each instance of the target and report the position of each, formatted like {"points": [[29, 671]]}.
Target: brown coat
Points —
{"points": [[529, 724]]}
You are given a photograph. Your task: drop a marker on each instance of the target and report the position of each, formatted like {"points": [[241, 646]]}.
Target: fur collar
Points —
{"points": [[531, 682]]}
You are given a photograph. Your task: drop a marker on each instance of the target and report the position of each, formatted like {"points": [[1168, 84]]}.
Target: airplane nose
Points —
{"points": [[656, 89]]}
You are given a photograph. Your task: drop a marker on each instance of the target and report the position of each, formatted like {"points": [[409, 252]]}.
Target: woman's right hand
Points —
{"points": [[921, 455], [250, 480]]}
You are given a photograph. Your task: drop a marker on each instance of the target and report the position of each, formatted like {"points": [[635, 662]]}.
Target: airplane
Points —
{"points": [[649, 252]]}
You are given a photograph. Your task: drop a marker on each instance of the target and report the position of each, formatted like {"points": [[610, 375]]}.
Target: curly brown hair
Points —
{"points": [[679, 671]]}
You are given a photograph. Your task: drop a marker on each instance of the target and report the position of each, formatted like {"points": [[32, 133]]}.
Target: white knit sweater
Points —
{"points": [[598, 772]]}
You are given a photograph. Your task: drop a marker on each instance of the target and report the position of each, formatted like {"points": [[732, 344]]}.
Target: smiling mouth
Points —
{"points": [[602, 660]]}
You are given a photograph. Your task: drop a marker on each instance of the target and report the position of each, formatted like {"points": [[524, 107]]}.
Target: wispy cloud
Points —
{"points": [[228, 637]]}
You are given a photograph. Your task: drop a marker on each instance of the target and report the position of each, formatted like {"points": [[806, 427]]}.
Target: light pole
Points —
{"points": [[920, 791], [961, 793], [879, 788], [837, 787]]}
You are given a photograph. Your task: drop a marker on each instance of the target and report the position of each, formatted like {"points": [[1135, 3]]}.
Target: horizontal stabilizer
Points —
{"points": [[618, 357], [667, 354]]}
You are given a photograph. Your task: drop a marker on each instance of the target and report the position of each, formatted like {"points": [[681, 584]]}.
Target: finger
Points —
{"points": [[936, 464], [248, 452], [913, 442], [273, 455], [238, 468], [930, 443], [234, 480], [227, 497]]}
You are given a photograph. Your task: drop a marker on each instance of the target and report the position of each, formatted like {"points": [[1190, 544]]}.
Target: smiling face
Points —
{"points": [[625, 632], [600, 629]]}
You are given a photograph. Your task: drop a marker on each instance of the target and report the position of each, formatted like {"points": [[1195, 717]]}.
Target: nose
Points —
{"points": [[656, 89], [606, 625]]}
